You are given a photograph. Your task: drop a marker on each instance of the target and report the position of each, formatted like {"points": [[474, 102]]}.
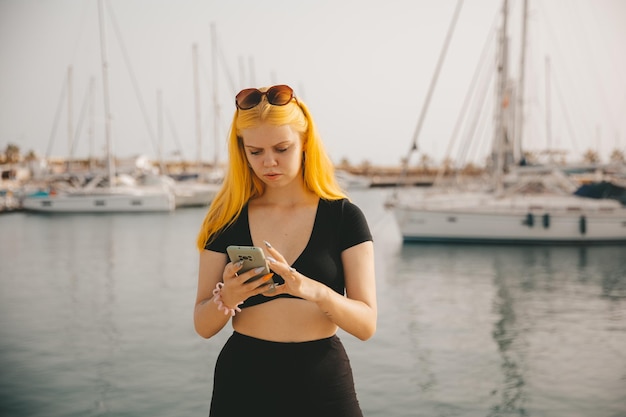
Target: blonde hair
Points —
{"points": [[241, 184]]}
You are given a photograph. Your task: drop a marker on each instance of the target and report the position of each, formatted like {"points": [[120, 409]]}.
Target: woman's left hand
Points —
{"points": [[295, 284]]}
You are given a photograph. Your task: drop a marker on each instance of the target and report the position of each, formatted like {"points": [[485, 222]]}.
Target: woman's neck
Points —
{"points": [[295, 195]]}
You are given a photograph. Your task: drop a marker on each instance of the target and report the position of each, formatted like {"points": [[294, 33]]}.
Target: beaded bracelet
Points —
{"points": [[217, 298]]}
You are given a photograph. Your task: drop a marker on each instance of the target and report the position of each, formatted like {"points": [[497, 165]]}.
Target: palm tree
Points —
{"points": [[12, 153], [617, 156], [590, 156]]}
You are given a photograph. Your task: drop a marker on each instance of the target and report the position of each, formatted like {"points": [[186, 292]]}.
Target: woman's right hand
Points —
{"points": [[214, 269], [236, 290]]}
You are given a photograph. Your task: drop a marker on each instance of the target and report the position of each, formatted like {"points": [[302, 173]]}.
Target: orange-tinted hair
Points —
{"points": [[241, 184]]}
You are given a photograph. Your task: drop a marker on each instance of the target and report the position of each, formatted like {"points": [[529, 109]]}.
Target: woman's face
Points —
{"points": [[274, 153]]}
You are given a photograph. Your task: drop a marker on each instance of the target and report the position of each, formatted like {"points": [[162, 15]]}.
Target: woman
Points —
{"points": [[280, 193]]}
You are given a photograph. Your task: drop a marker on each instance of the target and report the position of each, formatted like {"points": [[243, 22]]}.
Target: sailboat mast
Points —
{"points": [[433, 83], [70, 121], [548, 112], [196, 89], [92, 97], [431, 89], [501, 101], [216, 109], [105, 84], [519, 122], [160, 131]]}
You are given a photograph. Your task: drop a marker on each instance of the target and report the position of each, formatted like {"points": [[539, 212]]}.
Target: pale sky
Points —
{"points": [[363, 67]]}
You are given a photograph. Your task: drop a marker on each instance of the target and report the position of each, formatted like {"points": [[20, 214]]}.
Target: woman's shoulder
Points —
{"points": [[342, 209], [236, 230], [348, 221], [341, 205]]}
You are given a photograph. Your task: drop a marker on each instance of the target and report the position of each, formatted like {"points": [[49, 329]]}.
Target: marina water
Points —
{"points": [[96, 320]]}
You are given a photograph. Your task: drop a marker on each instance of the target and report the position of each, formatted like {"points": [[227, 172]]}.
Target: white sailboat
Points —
{"points": [[101, 201], [521, 218], [96, 197], [530, 206]]}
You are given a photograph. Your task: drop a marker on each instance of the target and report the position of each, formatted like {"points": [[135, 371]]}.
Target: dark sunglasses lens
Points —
{"points": [[279, 95], [247, 99]]}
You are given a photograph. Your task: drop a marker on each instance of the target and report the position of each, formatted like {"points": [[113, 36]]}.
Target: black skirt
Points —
{"points": [[255, 377]]}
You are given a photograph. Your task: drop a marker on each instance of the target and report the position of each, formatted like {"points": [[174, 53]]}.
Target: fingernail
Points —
{"points": [[272, 260], [267, 276], [239, 262], [259, 269], [267, 243]]}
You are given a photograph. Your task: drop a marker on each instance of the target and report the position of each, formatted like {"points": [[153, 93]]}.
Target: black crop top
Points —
{"points": [[339, 225]]}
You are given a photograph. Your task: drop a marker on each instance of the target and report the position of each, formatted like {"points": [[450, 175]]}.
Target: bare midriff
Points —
{"points": [[284, 320]]}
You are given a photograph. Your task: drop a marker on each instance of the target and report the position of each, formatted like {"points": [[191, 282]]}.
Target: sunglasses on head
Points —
{"points": [[278, 95]]}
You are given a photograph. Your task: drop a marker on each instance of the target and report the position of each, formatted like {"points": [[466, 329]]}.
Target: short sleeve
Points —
{"points": [[219, 241], [237, 233], [353, 227]]}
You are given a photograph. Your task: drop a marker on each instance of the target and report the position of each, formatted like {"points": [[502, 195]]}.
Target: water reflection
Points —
{"points": [[509, 337], [509, 322], [104, 367], [87, 249]]}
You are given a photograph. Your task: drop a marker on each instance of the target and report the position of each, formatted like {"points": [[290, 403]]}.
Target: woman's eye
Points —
{"points": [[281, 150], [255, 152]]}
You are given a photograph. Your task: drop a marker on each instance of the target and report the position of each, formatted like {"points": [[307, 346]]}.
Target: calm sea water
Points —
{"points": [[96, 320]]}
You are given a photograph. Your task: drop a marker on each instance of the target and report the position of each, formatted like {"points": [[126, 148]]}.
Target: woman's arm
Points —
{"points": [[356, 313], [207, 319]]}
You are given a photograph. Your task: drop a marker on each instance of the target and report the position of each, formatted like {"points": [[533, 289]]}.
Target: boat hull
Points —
{"points": [[101, 202], [566, 224]]}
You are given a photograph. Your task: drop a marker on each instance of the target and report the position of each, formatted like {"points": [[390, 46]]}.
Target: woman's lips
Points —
{"points": [[272, 175]]}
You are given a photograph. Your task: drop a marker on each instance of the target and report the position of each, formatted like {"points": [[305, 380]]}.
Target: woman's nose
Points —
{"points": [[269, 159]]}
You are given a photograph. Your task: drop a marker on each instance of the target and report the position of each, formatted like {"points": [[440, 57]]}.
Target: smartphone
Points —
{"points": [[252, 257]]}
